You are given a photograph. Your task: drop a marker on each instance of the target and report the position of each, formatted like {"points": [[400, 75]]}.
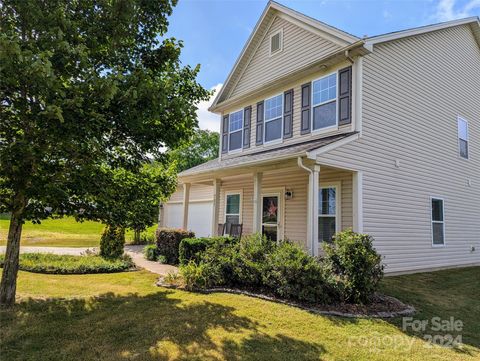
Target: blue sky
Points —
{"points": [[215, 31]]}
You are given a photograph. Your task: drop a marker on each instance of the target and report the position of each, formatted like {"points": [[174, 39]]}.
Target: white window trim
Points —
{"points": [[229, 193], [280, 192], [338, 204], [270, 53], [239, 150], [326, 129], [459, 117], [432, 222], [265, 121]]}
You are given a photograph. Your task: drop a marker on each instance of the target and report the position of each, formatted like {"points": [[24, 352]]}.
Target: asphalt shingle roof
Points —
{"points": [[286, 151]]}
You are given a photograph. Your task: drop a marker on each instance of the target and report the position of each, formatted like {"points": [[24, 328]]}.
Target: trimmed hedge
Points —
{"points": [[350, 272], [66, 264], [168, 242], [190, 249]]}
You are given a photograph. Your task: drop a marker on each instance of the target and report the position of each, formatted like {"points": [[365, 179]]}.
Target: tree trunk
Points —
{"points": [[8, 286], [136, 237]]}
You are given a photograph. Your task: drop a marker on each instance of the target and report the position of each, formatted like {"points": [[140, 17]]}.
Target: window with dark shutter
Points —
{"points": [[235, 131], [259, 129], [345, 96], [225, 133], [288, 114], [306, 106], [247, 119]]}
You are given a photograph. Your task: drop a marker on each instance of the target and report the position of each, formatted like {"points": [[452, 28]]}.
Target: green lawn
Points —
{"points": [[64, 232], [125, 317]]}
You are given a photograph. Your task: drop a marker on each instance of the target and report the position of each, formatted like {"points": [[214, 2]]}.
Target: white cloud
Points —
{"points": [[451, 10], [206, 119]]}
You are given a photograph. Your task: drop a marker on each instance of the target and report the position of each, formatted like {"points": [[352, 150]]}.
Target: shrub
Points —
{"points": [[292, 273], [199, 276], [162, 259], [66, 264], [112, 242], [168, 242], [150, 252], [192, 248], [355, 266]]}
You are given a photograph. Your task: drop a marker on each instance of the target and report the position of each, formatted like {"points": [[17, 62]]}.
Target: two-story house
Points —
{"points": [[323, 131]]}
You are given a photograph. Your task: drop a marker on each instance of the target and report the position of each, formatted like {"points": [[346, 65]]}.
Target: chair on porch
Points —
{"points": [[221, 229], [236, 230]]}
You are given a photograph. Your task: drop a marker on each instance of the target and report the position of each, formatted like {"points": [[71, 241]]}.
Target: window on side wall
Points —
{"points": [[438, 222], [463, 137], [324, 102], [327, 213], [273, 118], [235, 131], [232, 210]]}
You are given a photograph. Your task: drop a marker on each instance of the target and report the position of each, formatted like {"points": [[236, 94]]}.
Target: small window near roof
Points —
{"points": [[463, 137], [276, 42]]}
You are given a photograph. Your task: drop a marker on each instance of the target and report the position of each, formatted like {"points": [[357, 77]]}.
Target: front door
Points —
{"points": [[271, 216]]}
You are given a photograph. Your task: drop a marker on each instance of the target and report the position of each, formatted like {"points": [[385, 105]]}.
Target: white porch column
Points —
{"points": [[216, 206], [357, 179], [314, 212], [186, 199], [257, 202]]}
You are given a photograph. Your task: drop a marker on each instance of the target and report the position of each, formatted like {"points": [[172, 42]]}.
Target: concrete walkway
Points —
{"points": [[136, 252]]}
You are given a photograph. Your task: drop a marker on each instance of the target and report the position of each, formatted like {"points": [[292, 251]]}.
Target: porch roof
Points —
{"points": [[266, 155]]}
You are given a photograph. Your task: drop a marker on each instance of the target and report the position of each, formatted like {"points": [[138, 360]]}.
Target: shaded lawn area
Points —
{"points": [[125, 317], [64, 232]]}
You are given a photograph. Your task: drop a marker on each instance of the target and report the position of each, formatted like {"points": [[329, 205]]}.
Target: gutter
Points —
{"points": [[310, 204]]}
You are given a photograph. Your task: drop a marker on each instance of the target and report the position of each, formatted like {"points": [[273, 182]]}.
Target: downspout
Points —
{"points": [[310, 203]]}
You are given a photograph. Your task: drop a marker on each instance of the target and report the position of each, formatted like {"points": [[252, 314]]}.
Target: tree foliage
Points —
{"points": [[201, 147], [84, 86]]}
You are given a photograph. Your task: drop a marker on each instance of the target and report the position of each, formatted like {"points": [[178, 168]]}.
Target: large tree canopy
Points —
{"points": [[201, 147], [84, 85]]}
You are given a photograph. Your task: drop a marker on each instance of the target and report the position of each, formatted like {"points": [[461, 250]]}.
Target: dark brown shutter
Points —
{"points": [[259, 132], [225, 126], [345, 96], [288, 114], [247, 119], [306, 108]]}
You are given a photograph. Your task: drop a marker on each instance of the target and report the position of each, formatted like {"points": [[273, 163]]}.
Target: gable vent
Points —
{"points": [[276, 42]]}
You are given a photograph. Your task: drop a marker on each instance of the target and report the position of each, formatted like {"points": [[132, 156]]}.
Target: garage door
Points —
{"points": [[200, 218]]}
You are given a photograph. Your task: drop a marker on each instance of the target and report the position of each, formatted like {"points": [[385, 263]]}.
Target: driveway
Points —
{"points": [[136, 252]]}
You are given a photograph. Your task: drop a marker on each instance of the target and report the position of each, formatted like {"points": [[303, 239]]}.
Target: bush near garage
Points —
{"points": [[168, 243]]}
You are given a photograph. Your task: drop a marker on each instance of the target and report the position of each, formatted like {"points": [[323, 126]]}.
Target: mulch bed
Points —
{"points": [[381, 306]]}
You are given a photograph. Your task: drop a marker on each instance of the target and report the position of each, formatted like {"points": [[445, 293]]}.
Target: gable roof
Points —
{"points": [[272, 9], [473, 21]]}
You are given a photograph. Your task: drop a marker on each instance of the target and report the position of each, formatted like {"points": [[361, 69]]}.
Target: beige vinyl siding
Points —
{"points": [[297, 98], [198, 192], [295, 179], [413, 91], [300, 47]]}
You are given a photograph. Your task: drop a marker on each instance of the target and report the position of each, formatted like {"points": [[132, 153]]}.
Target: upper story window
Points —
{"points": [[324, 102], [276, 41], [463, 137], [235, 130], [273, 118]]}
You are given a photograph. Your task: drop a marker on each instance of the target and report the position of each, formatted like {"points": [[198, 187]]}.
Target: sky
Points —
{"points": [[215, 31]]}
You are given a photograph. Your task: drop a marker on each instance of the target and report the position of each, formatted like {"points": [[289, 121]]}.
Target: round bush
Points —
{"points": [[112, 242]]}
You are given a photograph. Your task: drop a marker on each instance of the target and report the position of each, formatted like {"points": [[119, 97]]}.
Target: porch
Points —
{"points": [[296, 199]]}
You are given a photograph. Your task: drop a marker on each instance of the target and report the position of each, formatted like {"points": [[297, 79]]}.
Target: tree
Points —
{"points": [[201, 147], [84, 85]]}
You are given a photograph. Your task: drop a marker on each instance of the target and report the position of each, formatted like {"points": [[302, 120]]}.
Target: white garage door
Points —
{"points": [[173, 215], [200, 218]]}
